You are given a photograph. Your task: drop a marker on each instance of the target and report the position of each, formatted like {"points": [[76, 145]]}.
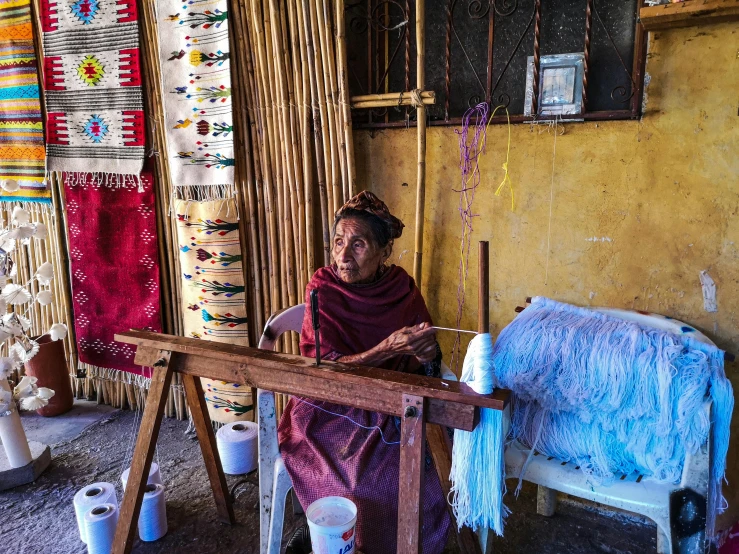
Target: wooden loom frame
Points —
{"points": [[414, 398]]}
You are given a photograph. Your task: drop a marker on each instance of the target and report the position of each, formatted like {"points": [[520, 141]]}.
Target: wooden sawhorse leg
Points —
{"points": [[146, 444], [412, 469]]}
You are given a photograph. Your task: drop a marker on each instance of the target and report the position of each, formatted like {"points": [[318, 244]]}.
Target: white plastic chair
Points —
{"points": [[633, 493], [274, 481]]}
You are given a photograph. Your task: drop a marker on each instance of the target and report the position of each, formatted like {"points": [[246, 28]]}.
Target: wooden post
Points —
{"points": [[421, 132], [143, 454], [204, 430], [483, 299], [483, 326], [412, 469]]}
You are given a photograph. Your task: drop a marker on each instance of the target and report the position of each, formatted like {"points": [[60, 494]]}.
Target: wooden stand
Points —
{"points": [[416, 399]]}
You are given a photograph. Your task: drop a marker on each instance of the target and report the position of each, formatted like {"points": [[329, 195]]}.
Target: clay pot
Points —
{"points": [[49, 366]]}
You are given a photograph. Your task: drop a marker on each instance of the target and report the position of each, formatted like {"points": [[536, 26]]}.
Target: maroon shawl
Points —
{"points": [[328, 455], [355, 318]]}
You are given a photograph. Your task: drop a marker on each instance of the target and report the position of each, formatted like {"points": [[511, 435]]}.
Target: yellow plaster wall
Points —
{"points": [[639, 207]]}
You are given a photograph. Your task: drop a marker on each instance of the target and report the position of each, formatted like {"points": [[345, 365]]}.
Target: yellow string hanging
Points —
{"points": [[506, 176]]}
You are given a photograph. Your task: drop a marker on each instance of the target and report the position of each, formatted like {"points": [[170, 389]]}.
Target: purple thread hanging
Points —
{"points": [[470, 150]]}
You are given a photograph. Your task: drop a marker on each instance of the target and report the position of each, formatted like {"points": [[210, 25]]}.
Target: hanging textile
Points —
{"points": [[95, 118], [115, 269], [194, 53], [614, 396], [22, 153], [213, 292]]}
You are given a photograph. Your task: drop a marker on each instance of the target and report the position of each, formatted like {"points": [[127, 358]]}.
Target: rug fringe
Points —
{"points": [[186, 196], [100, 179]]}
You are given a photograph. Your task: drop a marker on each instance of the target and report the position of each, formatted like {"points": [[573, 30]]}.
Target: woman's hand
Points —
{"points": [[418, 341]]}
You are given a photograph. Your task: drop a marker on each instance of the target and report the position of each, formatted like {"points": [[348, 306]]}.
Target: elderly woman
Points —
{"points": [[371, 314]]}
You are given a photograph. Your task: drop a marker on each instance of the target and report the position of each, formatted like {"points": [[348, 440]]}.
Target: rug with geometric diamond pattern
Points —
{"points": [[115, 268]]}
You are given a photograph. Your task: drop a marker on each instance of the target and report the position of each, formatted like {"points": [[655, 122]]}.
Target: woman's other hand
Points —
{"points": [[418, 340]]}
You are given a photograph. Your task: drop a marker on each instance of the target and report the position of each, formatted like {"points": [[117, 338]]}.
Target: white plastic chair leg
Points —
{"points": [[282, 486], [269, 452], [663, 542], [546, 501]]}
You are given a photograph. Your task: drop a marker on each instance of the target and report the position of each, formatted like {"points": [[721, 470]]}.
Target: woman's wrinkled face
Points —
{"points": [[357, 255]]}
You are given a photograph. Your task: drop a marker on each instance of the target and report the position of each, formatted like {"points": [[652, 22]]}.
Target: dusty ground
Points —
{"points": [[91, 444]]}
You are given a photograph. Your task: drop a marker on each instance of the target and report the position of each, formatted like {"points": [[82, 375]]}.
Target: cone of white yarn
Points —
{"points": [[153, 518], [87, 498], [238, 447], [100, 522]]}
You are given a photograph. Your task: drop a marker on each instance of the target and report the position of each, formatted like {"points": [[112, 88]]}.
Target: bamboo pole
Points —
{"points": [[244, 185], [343, 70], [320, 147], [263, 92], [324, 85], [405, 101], [421, 132], [392, 97], [305, 136], [285, 230], [256, 130]]}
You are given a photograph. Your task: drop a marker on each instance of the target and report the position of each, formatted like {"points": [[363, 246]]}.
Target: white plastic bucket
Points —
{"points": [[331, 521]]}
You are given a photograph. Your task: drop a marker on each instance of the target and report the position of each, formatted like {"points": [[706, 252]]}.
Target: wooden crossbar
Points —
{"points": [[413, 398]]}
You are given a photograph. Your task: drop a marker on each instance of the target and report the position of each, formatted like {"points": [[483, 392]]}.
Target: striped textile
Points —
{"points": [[22, 155], [92, 83]]}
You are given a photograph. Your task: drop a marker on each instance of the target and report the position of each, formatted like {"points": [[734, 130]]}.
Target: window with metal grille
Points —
{"points": [[477, 51]]}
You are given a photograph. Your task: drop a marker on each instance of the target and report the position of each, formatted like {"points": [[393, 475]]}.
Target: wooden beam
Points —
{"points": [[323, 385], [412, 470], [688, 13], [125, 531], [483, 295], [291, 374]]}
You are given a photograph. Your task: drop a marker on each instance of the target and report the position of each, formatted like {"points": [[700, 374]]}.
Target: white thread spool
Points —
{"points": [[477, 370], [13, 436], [237, 447], [153, 518], [100, 522], [87, 498], [155, 478]]}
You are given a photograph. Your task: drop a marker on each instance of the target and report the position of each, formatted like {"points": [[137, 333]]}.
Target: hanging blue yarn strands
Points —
{"points": [[478, 466], [615, 396]]}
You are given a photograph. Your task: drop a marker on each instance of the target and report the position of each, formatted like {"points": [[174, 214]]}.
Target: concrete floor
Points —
{"points": [[92, 443]]}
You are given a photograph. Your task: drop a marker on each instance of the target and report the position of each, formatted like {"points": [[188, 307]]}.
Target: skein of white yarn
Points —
{"points": [[238, 447], [154, 476], [478, 466], [153, 518], [100, 522], [88, 497]]}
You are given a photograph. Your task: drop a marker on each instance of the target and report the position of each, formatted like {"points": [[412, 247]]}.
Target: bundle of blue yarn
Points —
{"points": [[614, 396]]}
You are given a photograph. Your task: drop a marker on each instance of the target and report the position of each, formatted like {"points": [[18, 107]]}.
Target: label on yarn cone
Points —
{"points": [[238, 447], [89, 497], [153, 518], [100, 523]]}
